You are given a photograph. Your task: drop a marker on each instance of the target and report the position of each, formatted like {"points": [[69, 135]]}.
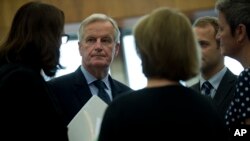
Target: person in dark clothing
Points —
{"points": [[99, 43], [165, 109], [234, 36], [29, 111], [213, 69]]}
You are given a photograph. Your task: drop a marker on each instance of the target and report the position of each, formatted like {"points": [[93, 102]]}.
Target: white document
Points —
{"points": [[86, 124]]}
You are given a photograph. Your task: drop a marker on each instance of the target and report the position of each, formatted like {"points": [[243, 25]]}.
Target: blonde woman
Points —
{"points": [[165, 109]]}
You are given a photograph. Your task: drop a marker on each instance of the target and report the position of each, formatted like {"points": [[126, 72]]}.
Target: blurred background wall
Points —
{"points": [[125, 12], [121, 10]]}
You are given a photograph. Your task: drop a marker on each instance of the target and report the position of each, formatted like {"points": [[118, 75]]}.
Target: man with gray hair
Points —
{"points": [[99, 43]]}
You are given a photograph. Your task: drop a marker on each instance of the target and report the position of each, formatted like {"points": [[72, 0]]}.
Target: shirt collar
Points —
{"points": [[90, 78], [215, 80]]}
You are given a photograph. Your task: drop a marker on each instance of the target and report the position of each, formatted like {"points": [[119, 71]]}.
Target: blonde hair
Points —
{"points": [[167, 45]]}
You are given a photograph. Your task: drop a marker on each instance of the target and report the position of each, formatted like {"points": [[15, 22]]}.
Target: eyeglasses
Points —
{"points": [[64, 38]]}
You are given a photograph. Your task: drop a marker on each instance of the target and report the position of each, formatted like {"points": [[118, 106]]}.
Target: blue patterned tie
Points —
{"points": [[206, 88], [101, 91]]}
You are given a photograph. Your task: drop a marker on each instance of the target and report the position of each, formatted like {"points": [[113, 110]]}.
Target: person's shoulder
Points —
{"points": [[118, 82], [195, 85], [194, 96], [63, 78], [120, 85], [230, 74], [245, 72], [131, 96], [244, 77], [60, 78], [20, 77], [180, 89], [14, 70]]}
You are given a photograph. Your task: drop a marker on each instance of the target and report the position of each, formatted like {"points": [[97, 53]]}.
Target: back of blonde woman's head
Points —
{"points": [[166, 45]]}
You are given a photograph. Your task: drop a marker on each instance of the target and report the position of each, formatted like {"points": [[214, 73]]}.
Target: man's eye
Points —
{"points": [[90, 40], [107, 41], [203, 44]]}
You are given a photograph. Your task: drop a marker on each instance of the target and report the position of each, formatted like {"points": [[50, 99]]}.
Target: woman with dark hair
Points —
{"points": [[234, 36], [29, 111]]}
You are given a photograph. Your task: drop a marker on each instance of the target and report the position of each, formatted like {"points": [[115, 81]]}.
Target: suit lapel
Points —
{"points": [[196, 87], [81, 87], [228, 81], [114, 87]]}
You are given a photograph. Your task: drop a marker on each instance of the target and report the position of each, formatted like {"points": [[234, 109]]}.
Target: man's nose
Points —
{"points": [[98, 43]]}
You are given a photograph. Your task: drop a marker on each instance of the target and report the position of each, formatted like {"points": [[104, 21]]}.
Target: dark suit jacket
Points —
{"points": [[73, 92], [224, 93], [28, 109]]}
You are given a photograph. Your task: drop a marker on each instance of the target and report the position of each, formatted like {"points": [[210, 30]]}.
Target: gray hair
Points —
{"points": [[98, 17]]}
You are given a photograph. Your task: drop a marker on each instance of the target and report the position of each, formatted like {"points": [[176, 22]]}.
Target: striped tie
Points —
{"points": [[101, 91], [206, 88]]}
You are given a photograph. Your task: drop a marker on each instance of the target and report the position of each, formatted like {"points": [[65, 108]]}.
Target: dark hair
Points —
{"points": [[236, 12], [35, 38]]}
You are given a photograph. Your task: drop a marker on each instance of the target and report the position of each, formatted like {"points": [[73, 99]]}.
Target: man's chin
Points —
{"points": [[100, 64], [203, 67]]}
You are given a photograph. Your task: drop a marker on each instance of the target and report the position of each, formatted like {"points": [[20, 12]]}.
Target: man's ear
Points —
{"points": [[240, 33], [117, 48], [80, 48]]}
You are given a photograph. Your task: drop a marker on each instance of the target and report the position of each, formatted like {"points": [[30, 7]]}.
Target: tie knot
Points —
{"points": [[99, 84], [206, 88]]}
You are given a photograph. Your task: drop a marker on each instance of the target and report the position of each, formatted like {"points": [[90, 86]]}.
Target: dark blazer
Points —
{"points": [[224, 93], [29, 111], [73, 92]]}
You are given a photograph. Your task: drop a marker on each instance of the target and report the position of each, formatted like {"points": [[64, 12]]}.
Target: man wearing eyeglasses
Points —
{"points": [[99, 42]]}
